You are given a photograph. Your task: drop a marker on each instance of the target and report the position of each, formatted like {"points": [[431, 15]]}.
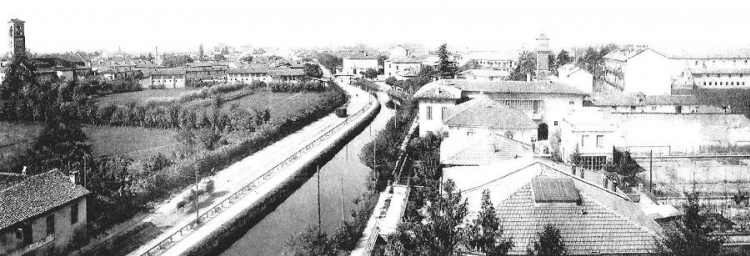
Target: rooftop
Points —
{"points": [[485, 112], [719, 71], [486, 72], [629, 99], [35, 195], [539, 87], [437, 90], [480, 150]]}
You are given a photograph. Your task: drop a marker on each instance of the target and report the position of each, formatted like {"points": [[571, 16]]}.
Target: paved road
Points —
{"points": [[168, 218]]}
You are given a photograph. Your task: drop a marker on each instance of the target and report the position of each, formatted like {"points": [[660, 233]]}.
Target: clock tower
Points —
{"points": [[17, 36], [542, 57]]}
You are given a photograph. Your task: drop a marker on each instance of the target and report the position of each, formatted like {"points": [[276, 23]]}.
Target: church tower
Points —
{"points": [[542, 58], [17, 37]]}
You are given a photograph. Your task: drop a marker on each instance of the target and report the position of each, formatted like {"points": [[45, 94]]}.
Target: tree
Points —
{"points": [[381, 60], [691, 236], [219, 57], [176, 60], [247, 58], [330, 61], [446, 67], [391, 81], [60, 145], [526, 66], [371, 73], [550, 242], [311, 242], [471, 64], [563, 58], [313, 70], [486, 234]]}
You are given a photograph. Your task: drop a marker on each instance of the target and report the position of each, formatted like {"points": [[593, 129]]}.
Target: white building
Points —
{"points": [[434, 99], [575, 76], [639, 70], [591, 134], [498, 60], [247, 76], [483, 117], [398, 52], [397, 67], [664, 104], [356, 65]]}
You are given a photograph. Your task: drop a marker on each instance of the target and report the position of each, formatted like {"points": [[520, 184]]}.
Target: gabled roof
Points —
{"points": [[286, 72], [605, 221], [168, 71], [481, 150], [485, 112], [628, 99], [624, 54], [247, 71], [404, 60], [36, 195], [487, 72], [437, 90], [538, 87]]}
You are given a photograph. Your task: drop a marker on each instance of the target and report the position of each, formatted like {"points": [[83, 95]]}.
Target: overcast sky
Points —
{"points": [[141, 25]]}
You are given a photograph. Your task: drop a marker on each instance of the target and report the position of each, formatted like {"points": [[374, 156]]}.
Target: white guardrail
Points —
{"points": [[186, 230]]}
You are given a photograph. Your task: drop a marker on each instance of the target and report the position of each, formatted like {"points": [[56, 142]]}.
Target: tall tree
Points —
{"points": [[550, 242], [313, 70], [446, 67], [691, 236], [312, 242], [563, 58], [330, 61], [526, 66], [486, 234]]}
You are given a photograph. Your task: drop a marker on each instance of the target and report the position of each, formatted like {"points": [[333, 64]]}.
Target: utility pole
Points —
{"points": [[319, 225], [651, 171], [342, 198], [197, 215]]}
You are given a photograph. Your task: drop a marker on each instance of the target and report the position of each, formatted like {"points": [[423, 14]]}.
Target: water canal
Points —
{"points": [[342, 179]]}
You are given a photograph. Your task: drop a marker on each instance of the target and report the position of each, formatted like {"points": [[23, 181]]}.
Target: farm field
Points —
{"points": [[131, 141], [141, 96], [280, 104], [15, 138]]}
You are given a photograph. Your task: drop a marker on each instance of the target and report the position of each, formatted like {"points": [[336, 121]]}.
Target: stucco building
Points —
{"points": [[358, 64], [639, 69], [575, 76], [398, 67]]}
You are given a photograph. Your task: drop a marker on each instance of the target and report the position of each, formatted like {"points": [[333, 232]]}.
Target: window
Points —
{"points": [[704, 83], [571, 102], [442, 113], [429, 113], [599, 141], [584, 138], [593, 162], [696, 63], [74, 213], [555, 123], [632, 108], [51, 224]]}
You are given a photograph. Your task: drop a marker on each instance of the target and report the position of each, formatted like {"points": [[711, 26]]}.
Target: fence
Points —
{"points": [[186, 230]]}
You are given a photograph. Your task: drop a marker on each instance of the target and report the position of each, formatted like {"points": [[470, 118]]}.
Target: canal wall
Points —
{"points": [[253, 208]]}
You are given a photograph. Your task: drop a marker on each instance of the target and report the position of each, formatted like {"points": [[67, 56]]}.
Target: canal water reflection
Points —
{"points": [[343, 178]]}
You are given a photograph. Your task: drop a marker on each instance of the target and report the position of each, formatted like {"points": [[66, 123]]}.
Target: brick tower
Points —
{"points": [[17, 38], [542, 57]]}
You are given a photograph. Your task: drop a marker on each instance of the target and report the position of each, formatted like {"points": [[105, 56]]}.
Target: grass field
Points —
{"points": [[15, 138], [131, 141], [141, 96], [280, 104]]}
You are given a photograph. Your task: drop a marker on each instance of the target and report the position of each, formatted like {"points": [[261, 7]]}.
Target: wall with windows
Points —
{"points": [[169, 81], [499, 64], [64, 222], [466, 133], [392, 68], [247, 78], [670, 109], [431, 113], [552, 107], [358, 66], [721, 80]]}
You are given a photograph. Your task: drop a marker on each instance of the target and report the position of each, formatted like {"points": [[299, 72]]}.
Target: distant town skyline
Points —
{"points": [[141, 26]]}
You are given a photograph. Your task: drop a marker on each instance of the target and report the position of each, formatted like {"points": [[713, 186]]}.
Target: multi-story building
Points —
{"points": [[639, 69], [396, 67], [358, 64], [664, 104], [591, 135], [485, 74], [41, 214], [575, 76], [545, 103], [497, 60], [169, 78], [247, 76], [398, 52]]}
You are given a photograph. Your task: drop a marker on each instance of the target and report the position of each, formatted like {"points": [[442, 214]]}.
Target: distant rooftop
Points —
{"points": [[485, 112], [538, 87]]}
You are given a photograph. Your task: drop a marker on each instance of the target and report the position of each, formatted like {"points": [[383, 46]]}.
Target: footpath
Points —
{"points": [[244, 184]]}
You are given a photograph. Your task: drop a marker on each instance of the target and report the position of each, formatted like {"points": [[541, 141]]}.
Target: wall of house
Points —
{"points": [[500, 64], [583, 81], [436, 123], [169, 81], [648, 72], [669, 109], [391, 68], [247, 78], [570, 139], [465, 133], [683, 133], [719, 81], [554, 107], [357, 66], [65, 231]]}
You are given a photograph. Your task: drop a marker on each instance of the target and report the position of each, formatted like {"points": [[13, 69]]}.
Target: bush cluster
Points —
{"points": [[309, 86]]}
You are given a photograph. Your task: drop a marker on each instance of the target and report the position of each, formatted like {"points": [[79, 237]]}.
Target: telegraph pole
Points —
{"points": [[651, 171], [197, 215], [319, 225]]}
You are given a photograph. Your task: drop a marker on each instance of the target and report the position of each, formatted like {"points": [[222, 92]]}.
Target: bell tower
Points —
{"points": [[17, 36], [542, 57]]}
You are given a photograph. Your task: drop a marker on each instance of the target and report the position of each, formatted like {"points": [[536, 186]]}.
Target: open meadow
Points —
{"points": [[130, 141], [142, 96], [281, 104]]}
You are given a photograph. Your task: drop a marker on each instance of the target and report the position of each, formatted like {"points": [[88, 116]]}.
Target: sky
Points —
{"points": [[142, 25]]}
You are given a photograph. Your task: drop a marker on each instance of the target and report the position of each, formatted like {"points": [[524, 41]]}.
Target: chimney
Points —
{"points": [[23, 172]]}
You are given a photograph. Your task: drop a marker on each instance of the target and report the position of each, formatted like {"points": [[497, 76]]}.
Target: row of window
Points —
{"points": [[713, 62], [724, 83], [592, 162], [599, 141], [50, 221], [429, 112], [718, 75]]}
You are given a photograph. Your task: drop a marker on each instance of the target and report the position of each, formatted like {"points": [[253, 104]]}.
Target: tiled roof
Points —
{"points": [[724, 53], [487, 72], [626, 99], [588, 228], [437, 90], [36, 195], [485, 112], [481, 150], [721, 71], [624, 54], [539, 87], [404, 60], [286, 72], [246, 71], [168, 71]]}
